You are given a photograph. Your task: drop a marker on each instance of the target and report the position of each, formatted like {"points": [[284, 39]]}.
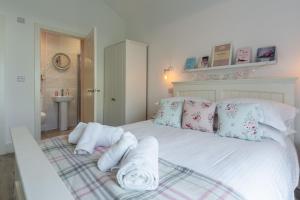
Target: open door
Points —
{"points": [[87, 71]]}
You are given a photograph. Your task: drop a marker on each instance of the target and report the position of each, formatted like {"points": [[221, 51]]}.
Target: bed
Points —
{"points": [[236, 168]]}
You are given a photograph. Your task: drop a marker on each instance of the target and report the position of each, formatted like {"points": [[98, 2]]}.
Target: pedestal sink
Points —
{"points": [[63, 110]]}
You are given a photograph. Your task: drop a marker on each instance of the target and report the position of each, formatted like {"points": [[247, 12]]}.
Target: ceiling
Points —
{"points": [[153, 12]]}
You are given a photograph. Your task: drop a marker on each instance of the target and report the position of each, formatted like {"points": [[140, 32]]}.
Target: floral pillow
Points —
{"points": [[169, 114], [198, 115], [240, 121]]}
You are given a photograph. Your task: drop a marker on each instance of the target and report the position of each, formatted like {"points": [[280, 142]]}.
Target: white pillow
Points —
{"points": [[272, 133], [290, 127], [276, 115]]}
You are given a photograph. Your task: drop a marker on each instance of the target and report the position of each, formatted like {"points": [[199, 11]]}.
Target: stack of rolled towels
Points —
{"points": [[136, 161]]}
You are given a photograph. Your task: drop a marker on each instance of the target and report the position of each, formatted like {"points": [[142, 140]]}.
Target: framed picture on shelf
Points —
{"points": [[190, 63], [204, 63], [243, 55], [266, 54], [222, 55]]}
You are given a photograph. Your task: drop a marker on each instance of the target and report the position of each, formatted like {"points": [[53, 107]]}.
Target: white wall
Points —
{"points": [[73, 15], [252, 23], [2, 118]]}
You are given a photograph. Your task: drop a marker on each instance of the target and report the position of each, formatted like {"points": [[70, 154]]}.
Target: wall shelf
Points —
{"points": [[237, 66]]}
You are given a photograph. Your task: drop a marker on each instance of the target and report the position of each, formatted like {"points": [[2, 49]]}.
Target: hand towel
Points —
{"points": [[76, 134], [115, 153], [139, 168], [96, 135]]}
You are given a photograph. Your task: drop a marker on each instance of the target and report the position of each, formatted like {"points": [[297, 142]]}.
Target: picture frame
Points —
{"points": [[266, 54], [191, 63], [243, 55], [222, 55], [204, 63]]}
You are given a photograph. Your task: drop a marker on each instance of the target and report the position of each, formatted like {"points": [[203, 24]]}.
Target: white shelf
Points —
{"points": [[246, 65]]}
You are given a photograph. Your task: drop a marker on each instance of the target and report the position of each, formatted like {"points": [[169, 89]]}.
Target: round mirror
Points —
{"points": [[61, 61]]}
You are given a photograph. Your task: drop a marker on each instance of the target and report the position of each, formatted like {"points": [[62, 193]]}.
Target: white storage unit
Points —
{"points": [[125, 83]]}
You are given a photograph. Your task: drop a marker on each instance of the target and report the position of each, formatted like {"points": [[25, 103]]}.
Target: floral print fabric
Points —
{"points": [[240, 121], [198, 115], [169, 114]]}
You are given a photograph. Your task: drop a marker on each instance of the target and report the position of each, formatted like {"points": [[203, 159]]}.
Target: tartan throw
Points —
{"points": [[85, 182]]}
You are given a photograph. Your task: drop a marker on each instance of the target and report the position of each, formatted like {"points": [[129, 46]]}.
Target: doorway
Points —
{"points": [[64, 81]]}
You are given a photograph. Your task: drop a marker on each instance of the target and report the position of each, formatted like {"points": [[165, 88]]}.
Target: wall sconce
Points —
{"points": [[166, 72]]}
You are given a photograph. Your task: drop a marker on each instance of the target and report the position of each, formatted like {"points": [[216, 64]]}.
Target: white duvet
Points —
{"points": [[257, 170]]}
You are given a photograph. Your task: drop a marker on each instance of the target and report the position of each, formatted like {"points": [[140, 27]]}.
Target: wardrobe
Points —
{"points": [[125, 83]]}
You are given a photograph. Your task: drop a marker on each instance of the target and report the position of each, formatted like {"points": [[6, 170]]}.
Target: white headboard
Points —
{"points": [[276, 89]]}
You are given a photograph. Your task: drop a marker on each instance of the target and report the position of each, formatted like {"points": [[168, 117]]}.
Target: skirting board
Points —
{"points": [[9, 148]]}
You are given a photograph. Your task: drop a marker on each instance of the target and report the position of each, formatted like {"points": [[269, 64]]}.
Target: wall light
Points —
{"points": [[166, 72]]}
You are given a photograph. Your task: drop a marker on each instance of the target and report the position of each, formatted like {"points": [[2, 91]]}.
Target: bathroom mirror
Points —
{"points": [[61, 61]]}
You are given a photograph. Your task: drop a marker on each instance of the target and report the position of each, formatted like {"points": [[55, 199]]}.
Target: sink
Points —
{"points": [[59, 99], [63, 110]]}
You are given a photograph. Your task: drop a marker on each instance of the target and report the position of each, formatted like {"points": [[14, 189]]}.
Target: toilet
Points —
{"points": [[43, 118], [43, 114]]}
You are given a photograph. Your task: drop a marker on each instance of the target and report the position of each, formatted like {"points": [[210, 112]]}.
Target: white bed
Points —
{"points": [[262, 170], [257, 170]]}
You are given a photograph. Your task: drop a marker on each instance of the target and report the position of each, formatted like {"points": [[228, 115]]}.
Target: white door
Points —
{"points": [[114, 84], [87, 71]]}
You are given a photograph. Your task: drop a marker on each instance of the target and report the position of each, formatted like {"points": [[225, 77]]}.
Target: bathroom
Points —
{"points": [[60, 76]]}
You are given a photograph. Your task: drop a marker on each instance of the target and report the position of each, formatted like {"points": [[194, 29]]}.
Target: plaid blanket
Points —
{"points": [[86, 182]]}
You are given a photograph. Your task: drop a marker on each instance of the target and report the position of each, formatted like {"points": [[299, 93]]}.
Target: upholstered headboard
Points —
{"points": [[276, 89]]}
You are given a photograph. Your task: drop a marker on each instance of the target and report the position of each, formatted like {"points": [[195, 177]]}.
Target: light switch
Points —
{"points": [[21, 20], [20, 79]]}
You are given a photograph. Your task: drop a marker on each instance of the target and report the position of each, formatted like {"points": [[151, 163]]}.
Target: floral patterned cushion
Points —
{"points": [[240, 121], [198, 115], [169, 114]]}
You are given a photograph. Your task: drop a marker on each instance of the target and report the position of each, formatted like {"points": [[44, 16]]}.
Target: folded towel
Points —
{"points": [[76, 134], [139, 168], [115, 153], [96, 135]]}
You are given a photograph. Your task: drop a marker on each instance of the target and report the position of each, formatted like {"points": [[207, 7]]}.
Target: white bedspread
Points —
{"points": [[257, 170]]}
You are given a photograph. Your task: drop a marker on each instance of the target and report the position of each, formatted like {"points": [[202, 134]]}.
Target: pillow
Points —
{"points": [[290, 124], [169, 114], [275, 114], [198, 115], [273, 134], [240, 121]]}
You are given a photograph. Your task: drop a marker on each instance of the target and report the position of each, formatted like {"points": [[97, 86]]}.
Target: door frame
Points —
{"points": [[37, 69]]}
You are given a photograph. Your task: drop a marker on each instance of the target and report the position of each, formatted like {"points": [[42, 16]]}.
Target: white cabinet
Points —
{"points": [[125, 83]]}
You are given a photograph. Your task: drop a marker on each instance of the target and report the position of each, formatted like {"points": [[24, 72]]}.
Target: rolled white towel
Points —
{"points": [[115, 153], [76, 134], [109, 136], [139, 168], [96, 135]]}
